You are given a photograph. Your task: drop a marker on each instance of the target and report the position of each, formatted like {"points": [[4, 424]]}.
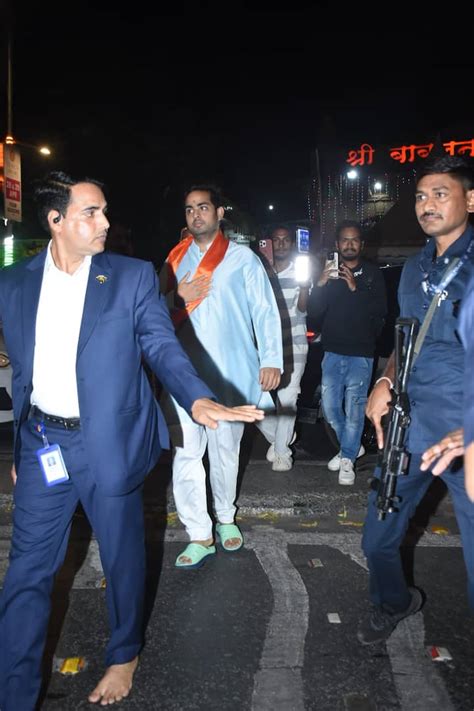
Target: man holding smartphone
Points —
{"points": [[348, 307]]}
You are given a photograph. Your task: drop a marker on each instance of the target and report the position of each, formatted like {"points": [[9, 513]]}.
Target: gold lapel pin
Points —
{"points": [[101, 278]]}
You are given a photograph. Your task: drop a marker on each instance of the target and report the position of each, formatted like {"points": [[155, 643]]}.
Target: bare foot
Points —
{"points": [[187, 561], [232, 543], [115, 685]]}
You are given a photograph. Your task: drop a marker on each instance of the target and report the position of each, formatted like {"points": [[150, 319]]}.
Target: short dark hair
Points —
{"points": [[345, 224], [282, 226], [214, 193], [53, 192], [457, 167]]}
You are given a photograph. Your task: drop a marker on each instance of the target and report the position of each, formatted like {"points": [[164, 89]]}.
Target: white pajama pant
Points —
{"points": [[189, 475], [278, 429]]}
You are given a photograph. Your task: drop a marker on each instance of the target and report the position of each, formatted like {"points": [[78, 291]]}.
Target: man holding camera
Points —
{"points": [[348, 307]]}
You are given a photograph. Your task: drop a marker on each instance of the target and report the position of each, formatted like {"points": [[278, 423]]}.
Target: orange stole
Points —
{"points": [[213, 257]]}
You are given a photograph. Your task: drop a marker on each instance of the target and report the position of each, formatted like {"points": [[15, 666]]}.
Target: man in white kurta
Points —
{"points": [[229, 325]]}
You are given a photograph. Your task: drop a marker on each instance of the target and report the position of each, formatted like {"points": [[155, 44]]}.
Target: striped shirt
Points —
{"points": [[293, 321]]}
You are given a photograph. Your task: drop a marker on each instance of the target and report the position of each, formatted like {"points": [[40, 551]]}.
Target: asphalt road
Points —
{"points": [[253, 631]]}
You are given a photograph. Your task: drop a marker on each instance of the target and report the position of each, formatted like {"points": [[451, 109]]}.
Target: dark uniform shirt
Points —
{"points": [[435, 386], [467, 336]]}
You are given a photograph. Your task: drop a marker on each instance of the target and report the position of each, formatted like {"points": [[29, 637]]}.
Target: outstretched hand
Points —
{"points": [[208, 413], [443, 452]]}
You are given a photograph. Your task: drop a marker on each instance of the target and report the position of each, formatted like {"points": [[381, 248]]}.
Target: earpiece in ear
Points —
{"points": [[56, 219]]}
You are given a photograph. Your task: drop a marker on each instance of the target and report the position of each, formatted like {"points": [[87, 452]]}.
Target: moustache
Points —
{"points": [[429, 214]]}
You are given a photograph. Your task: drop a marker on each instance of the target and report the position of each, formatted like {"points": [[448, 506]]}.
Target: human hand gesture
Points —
{"points": [[208, 413], [443, 452], [194, 289]]}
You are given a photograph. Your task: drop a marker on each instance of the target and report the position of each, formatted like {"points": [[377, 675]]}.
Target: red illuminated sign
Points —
{"points": [[407, 154]]}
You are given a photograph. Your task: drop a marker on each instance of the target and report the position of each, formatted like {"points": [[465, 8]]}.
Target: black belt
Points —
{"points": [[69, 423]]}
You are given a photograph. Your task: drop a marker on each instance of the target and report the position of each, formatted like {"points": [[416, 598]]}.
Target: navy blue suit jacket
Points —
{"points": [[124, 320]]}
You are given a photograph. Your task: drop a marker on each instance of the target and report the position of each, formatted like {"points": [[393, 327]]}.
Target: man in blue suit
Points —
{"points": [[77, 324]]}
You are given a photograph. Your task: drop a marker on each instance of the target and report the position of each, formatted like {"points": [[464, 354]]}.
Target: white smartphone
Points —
{"points": [[332, 262]]}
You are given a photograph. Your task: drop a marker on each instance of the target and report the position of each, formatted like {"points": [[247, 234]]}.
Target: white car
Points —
{"points": [[6, 412]]}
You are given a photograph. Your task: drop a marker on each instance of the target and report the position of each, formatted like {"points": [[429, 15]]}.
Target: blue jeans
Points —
{"points": [[381, 540], [344, 387]]}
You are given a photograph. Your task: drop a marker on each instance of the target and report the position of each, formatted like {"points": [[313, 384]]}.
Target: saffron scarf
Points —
{"points": [[213, 257]]}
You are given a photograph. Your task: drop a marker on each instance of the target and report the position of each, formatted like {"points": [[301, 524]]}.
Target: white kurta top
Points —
{"points": [[236, 329]]}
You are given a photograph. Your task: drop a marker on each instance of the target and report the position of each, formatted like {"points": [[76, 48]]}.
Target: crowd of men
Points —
{"points": [[225, 336]]}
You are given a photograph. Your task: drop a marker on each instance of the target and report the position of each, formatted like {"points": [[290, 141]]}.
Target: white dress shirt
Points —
{"points": [[58, 323]]}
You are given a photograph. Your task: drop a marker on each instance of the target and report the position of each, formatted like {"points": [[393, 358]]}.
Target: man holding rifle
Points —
{"points": [[438, 275]]}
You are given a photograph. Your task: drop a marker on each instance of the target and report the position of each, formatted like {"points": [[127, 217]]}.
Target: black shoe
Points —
{"points": [[380, 623]]}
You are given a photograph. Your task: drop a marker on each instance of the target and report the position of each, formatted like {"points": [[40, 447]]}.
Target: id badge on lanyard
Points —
{"points": [[51, 460]]}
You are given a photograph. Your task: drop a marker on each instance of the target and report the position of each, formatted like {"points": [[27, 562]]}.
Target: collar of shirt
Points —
{"points": [[287, 270], [198, 252], [432, 267], [49, 264], [456, 249]]}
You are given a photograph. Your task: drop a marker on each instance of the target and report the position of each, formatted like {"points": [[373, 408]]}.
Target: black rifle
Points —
{"points": [[395, 459]]}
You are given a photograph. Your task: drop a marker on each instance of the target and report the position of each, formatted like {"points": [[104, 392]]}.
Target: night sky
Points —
{"points": [[152, 101]]}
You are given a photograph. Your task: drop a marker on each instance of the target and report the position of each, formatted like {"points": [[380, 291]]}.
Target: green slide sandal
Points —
{"points": [[226, 531], [196, 553]]}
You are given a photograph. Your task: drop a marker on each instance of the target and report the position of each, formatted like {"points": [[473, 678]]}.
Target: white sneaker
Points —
{"points": [[334, 464], [271, 453], [271, 450], [346, 472], [282, 463]]}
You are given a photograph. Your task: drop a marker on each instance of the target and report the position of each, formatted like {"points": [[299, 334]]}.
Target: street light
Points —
{"points": [[44, 150]]}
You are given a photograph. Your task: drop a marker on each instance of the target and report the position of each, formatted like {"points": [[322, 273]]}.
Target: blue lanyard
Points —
{"points": [[448, 275], [42, 431]]}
